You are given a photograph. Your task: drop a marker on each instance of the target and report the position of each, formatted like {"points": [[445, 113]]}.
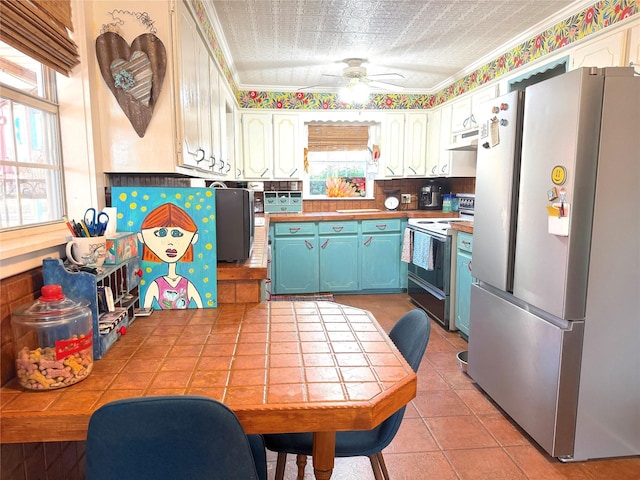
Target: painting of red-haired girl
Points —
{"points": [[176, 229]]}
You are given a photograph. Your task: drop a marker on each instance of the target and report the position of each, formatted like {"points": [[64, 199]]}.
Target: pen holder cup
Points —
{"points": [[87, 251]]}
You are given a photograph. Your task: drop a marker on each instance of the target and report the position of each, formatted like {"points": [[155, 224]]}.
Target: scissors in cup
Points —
{"points": [[95, 222]]}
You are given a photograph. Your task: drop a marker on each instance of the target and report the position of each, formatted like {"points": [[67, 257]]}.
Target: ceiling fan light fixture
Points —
{"points": [[355, 92]]}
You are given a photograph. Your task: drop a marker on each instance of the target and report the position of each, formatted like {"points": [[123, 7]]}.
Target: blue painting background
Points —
{"points": [[134, 203]]}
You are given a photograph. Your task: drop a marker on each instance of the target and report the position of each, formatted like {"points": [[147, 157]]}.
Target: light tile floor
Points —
{"points": [[451, 430]]}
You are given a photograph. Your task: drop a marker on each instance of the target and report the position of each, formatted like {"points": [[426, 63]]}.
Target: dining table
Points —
{"points": [[281, 366]]}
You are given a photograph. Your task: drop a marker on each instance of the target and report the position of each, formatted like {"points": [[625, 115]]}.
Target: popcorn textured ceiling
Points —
{"points": [[289, 44]]}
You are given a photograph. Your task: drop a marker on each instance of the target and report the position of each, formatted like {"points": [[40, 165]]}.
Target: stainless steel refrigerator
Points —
{"points": [[555, 316]]}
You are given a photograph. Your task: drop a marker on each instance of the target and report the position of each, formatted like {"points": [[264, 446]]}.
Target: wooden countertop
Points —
{"points": [[281, 366], [466, 227], [357, 214]]}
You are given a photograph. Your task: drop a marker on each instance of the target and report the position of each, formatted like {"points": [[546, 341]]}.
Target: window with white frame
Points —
{"points": [[31, 191], [338, 162]]}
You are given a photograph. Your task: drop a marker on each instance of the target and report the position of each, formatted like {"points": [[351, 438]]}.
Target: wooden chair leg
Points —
{"points": [[383, 466], [375, 467], [301, 461], [280, 464]]}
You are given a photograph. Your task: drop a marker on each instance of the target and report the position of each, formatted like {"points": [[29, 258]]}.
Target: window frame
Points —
{"points": [[370, 172]]}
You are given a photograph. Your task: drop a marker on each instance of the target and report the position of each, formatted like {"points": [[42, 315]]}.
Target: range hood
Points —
{"points": [[467, 140]]}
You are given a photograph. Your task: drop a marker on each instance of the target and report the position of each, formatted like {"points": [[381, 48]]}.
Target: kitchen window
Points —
{"points": [[337, 162], [31, 191]]}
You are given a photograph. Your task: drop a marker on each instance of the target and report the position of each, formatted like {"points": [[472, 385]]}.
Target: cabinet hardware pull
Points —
{"points": [[368, 241], [465, 242], [444, 167], [381, 226], [265, 172], [309, 244], [324, 245], [433, 170], [293, 173], [392, 172], [412, 169], [337, 228], [469, 266], [200, 155], [294, 229], [228, 167]]}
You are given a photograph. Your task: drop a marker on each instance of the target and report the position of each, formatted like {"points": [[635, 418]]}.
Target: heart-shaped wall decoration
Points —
{"points": [[134, 74]]}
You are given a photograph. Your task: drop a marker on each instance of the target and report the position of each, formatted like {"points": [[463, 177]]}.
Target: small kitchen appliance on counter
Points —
{"points": [[430, 195]]}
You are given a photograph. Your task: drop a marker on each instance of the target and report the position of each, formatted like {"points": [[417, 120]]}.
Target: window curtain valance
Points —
{"points": [[40, 29], [323, 138]]}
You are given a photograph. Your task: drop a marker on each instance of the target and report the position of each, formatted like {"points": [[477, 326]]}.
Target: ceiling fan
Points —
{"points": [[356, 74]]}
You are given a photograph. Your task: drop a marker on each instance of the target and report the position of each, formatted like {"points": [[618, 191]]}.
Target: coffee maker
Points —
{"points": [[430, 195]]}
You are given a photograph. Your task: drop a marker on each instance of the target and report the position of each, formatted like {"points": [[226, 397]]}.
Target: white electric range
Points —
{"points": [[431, 284]]}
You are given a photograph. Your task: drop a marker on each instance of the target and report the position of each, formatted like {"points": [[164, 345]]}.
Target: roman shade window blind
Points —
{"points": [[40, 29], [324, 138]]}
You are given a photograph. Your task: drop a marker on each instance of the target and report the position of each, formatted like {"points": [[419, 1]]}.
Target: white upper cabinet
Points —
{"points": [[450, 163], [607, 51], [433, 142], [415, 149], [480, 96], [633, 55], [392, 145], [286, 146], [461, 119], [226, 167], [257, 146], [198, 100], [271, 146], [403, 146]]}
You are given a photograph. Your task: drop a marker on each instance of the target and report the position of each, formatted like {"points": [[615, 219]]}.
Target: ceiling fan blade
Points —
{"points": [[320, 85], [393, 74], [386, 86]]}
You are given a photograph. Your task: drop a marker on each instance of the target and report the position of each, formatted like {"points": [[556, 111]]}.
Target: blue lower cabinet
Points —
{"points": [[295, 267], [464, 279], [338, 263], [380, 249], [338, 256]]}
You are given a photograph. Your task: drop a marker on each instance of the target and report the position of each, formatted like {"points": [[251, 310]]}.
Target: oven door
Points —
{"points": [[438, 279], [429, 289]]}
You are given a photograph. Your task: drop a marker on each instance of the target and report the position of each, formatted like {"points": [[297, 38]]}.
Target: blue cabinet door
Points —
{"points": [[380, 261], [380, 247], [338, 263], [295, 265], [464, 279], [295, 258]]}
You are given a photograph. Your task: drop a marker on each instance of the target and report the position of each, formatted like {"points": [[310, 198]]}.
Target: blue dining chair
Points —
{"points": [[411, 335], [171, 437]]}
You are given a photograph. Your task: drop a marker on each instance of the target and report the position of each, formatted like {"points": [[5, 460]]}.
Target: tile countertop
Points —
{"points": [[466, 227], [294, 362], [357, 214]]}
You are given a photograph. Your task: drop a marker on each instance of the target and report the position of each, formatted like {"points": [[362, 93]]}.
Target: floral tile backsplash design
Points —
{"points": [[590, 20]]}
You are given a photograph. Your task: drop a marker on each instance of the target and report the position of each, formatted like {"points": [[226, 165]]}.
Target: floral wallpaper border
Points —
{"points": [[590, 20]]}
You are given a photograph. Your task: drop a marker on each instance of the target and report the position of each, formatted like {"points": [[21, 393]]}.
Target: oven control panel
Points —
{"points": [[466, 201]]}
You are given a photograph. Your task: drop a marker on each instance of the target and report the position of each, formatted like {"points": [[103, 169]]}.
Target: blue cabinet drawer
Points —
{"points": [[465, 242], [300, 228], [378, 226], [282, 202], [336, 228]]}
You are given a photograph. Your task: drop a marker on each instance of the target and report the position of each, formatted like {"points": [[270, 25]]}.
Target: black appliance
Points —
{"points": [[235, 224], [430, 195]]}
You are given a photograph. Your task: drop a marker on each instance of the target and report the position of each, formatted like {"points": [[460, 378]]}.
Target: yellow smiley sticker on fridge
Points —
{"points": [[558, 175]]}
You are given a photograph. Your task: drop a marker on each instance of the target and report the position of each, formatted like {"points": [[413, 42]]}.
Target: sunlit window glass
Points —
{"points": [[30, 161]]}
